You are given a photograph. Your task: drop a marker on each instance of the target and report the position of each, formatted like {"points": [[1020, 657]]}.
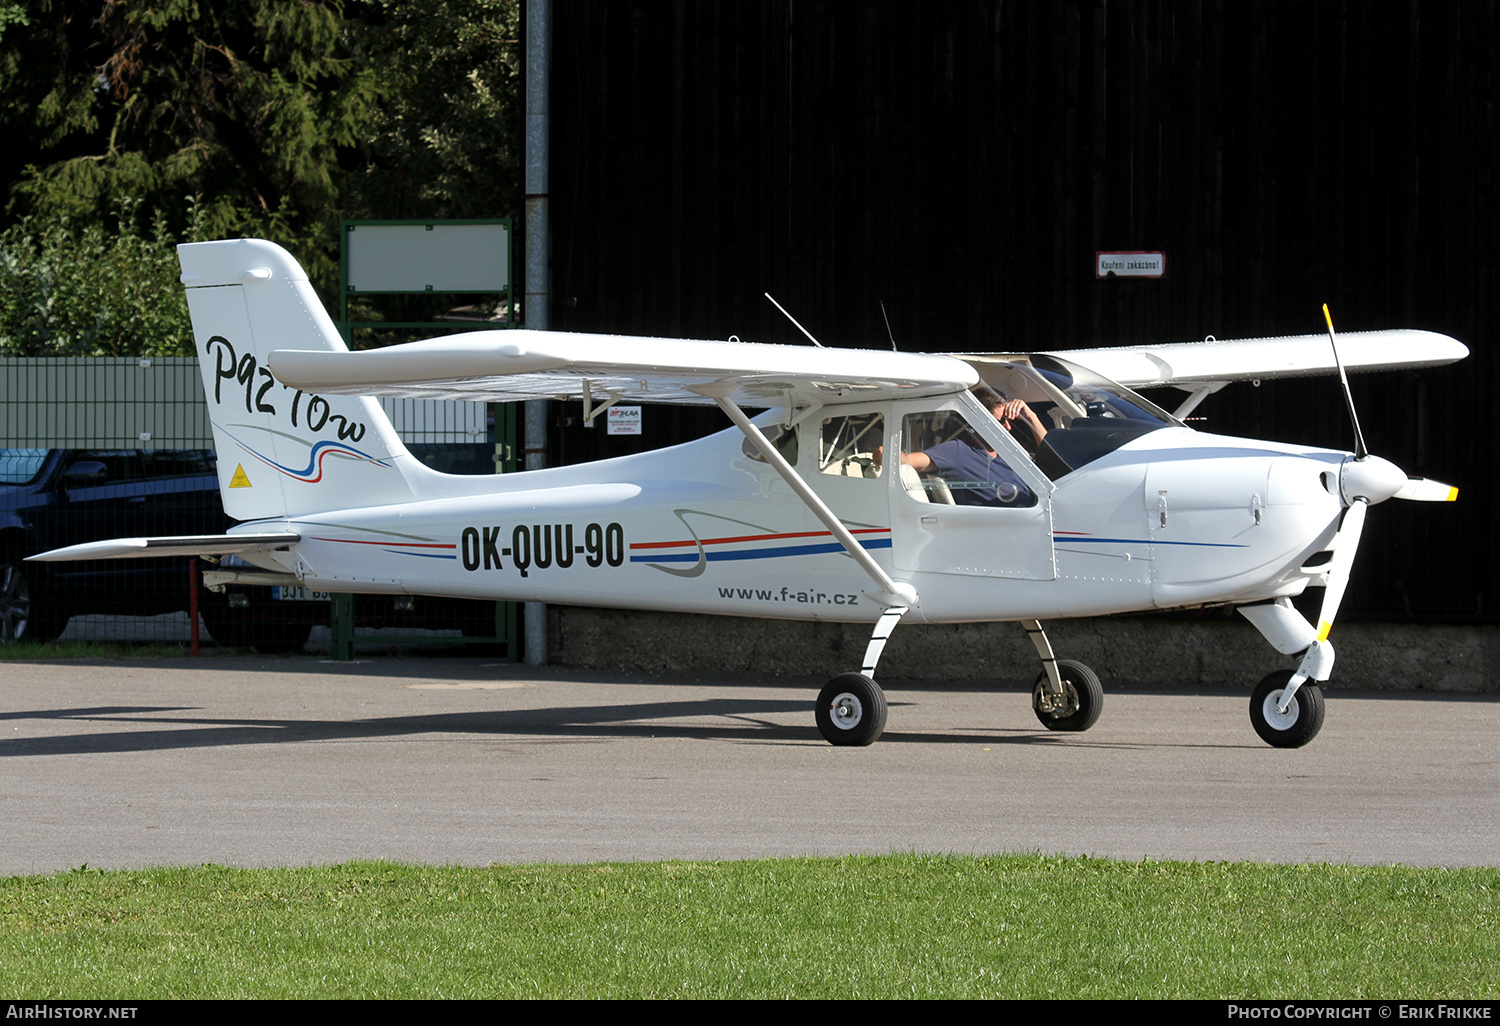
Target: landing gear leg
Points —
{"points": [[1286, 708], [1068, 695], [851, 707]]}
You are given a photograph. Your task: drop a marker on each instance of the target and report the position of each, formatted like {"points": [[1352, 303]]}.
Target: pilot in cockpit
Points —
{"points": [[1013, 414], [976, 474]]}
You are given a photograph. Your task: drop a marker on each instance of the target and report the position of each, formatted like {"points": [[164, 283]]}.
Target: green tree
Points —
{"points": [[447, 140], [134, 124], [98, 289], [244, 104]]}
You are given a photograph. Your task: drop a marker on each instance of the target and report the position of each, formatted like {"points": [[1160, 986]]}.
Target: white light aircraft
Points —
{"points": [[1095, 501]]}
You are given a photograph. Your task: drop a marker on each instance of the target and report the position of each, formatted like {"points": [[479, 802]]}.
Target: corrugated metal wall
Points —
{"points": [[963, 162]]}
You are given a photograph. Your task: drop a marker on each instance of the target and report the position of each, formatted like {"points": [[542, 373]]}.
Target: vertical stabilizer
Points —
{"points": [[282, 451]]}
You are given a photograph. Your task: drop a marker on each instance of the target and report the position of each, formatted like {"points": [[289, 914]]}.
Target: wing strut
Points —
{"points": [[590, 411], [1199, 394], [892, 593]]}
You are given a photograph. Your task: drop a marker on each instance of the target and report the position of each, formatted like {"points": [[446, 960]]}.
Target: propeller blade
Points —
{"points": [[1345, 544], [1360, 452], [1426, 490]]}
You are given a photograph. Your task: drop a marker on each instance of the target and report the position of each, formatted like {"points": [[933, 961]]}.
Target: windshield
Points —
{"points": [[21, 466], [1083, 415]]}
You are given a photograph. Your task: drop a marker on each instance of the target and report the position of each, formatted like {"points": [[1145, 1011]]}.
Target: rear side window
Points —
{"points": [[850, 446], [783, 438]]}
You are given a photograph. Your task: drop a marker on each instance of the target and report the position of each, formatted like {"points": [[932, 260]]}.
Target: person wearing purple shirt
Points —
{"points": [[975, 473]]}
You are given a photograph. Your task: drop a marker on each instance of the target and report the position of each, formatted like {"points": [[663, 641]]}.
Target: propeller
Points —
{"points": [[1423, 489], [1360, 452], [1346, 543], [1363, 481]]}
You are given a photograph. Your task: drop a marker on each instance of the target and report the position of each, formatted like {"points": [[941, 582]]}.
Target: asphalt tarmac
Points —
{"points": [[252, 761]]}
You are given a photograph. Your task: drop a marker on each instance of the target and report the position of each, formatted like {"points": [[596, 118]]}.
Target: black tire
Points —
{"points": [[23, 617], [231, 629], [1302, 721], [1083, 693], [851, 710]]}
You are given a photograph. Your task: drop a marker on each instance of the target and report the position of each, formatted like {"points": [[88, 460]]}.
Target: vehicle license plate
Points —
{"points": [[285, 594]]}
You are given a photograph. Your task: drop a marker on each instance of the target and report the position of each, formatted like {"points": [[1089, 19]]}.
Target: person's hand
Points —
{"points": [[1010, 412]]}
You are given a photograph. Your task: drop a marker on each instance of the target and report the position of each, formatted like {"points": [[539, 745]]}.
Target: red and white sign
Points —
{"points": [[624, 420]]}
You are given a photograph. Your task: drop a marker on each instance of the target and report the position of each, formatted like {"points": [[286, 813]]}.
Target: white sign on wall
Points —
{"points": [[438, 257], [1130, 263]]}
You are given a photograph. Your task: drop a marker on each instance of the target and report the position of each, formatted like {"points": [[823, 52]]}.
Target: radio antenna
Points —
{"points": [[888, 330], [794, 321]]}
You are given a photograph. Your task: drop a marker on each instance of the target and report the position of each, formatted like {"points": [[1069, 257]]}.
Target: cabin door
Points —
{"points": [[966, 498]]}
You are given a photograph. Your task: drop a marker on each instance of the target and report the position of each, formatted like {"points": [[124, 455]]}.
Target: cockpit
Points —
{"points": [[1059, 415], [1085, 415]]}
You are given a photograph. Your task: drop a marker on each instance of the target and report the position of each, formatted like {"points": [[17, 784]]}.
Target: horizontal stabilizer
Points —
{"points": [[154, 548]]}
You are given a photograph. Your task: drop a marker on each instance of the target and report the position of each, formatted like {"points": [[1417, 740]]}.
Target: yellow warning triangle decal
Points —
{"points": [[239, 480]]}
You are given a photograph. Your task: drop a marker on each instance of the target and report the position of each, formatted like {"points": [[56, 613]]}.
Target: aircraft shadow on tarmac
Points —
{"points": [[749, 722]]}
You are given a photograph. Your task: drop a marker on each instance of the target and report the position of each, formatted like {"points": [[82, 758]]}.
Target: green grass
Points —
{"points": [[31, 651], [892, 926]]}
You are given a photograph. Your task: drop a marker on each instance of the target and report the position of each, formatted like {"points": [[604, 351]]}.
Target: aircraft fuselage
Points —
{"points": [[1172, 518]]}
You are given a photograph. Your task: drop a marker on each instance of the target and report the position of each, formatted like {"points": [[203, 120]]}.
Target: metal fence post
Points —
{"points": [[343, 627]]}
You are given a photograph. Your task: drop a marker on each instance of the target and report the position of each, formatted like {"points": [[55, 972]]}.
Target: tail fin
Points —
{"points": [[282, 452]]}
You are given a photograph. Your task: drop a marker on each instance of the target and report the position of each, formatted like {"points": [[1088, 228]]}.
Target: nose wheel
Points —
{"points": [[1302, 719], [851, 710]]}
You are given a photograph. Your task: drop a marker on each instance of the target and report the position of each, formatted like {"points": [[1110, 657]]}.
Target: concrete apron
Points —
{"points": [[1124, 650]]}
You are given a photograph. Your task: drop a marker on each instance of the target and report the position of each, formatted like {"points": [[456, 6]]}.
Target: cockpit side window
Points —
{"points": [[945, 460]]}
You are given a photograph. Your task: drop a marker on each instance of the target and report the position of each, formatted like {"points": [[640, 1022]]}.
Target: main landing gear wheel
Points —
{"points": [[851, 710], [1293, 728], [1083, 698]]}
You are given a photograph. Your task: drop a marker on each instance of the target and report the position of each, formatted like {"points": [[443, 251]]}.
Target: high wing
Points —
{"points": [[504, 366], [1191, 365]]}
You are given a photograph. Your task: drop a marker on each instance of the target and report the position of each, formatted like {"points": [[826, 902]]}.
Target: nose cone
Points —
{"points": [[1371, 478]]}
